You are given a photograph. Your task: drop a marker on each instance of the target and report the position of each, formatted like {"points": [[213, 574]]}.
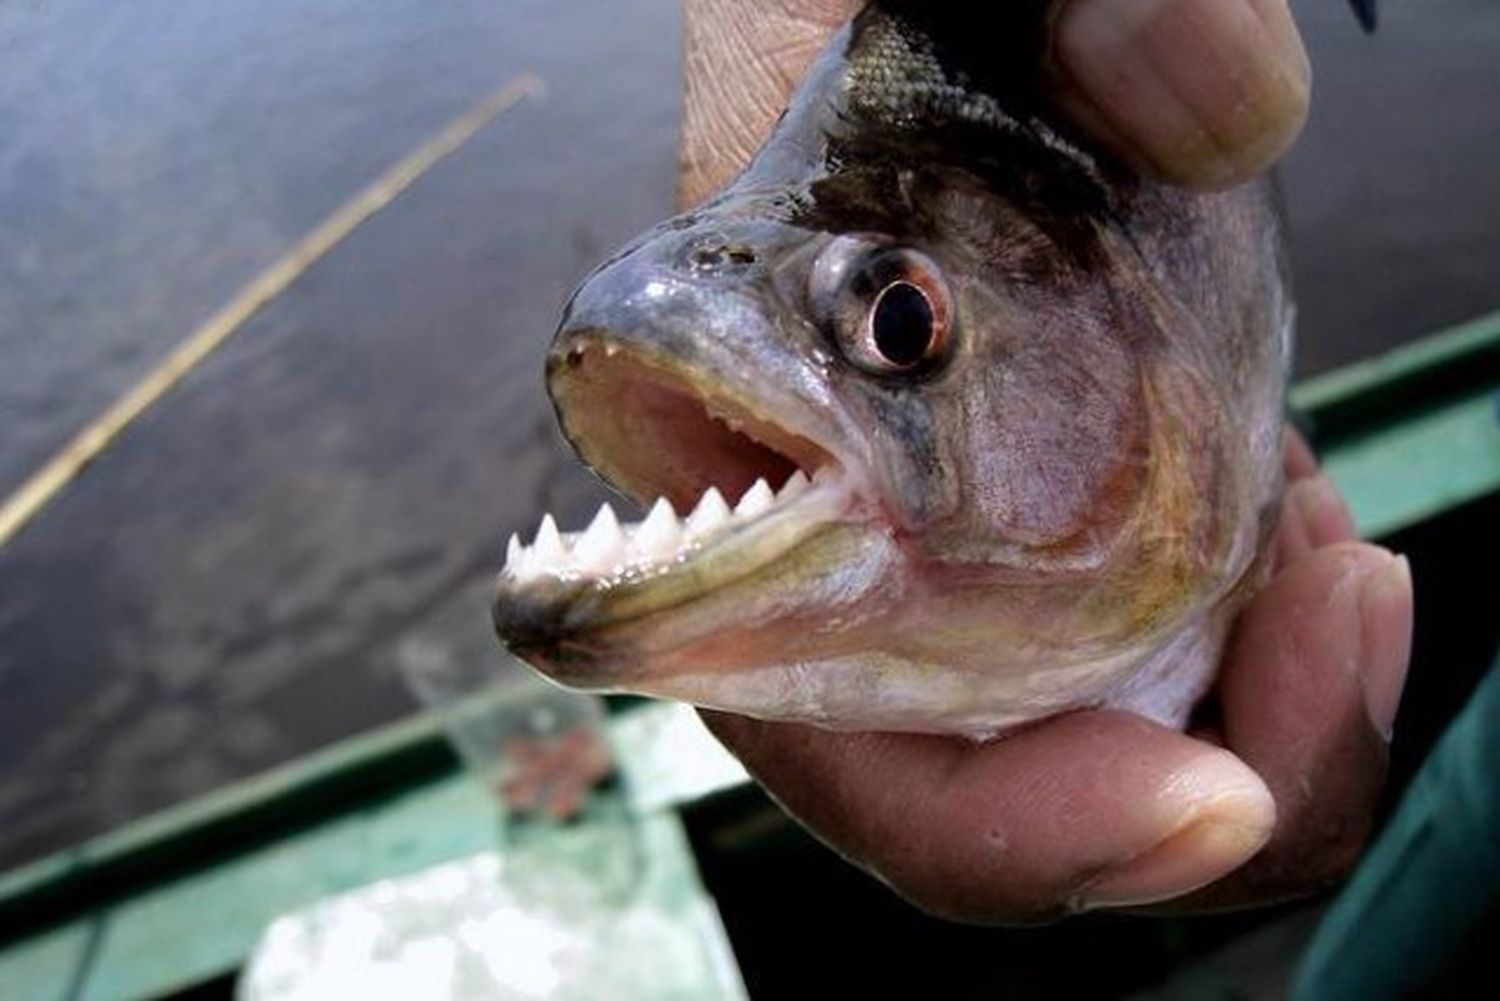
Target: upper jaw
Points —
{"points": [[751, 488], [653, 424]]}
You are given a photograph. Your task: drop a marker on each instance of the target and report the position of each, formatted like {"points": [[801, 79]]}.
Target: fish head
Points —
{"points": [[921, 452]]}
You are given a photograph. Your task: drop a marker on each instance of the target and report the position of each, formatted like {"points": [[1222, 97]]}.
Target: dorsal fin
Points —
{"points": [[939, 85]]}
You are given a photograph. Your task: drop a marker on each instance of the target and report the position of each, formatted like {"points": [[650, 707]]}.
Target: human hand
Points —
{"points": [[1103, 808], [1203, 93]]}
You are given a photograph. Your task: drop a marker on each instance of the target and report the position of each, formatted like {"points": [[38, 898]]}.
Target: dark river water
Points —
{"points": [[239, 579]]}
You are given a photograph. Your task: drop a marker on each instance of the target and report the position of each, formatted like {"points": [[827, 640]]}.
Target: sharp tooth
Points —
{"points": [[709, 514], [658, 535], [548, 551], [823, 476], [520, 562], [602, 545], [756, 500], [793, 486]]}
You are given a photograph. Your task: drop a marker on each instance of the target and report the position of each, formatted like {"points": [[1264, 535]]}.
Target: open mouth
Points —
{"points": [[726, 484]]}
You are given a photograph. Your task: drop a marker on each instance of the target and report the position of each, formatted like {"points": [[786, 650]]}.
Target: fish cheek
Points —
{"points": [[915, 479], [1055, 437]]}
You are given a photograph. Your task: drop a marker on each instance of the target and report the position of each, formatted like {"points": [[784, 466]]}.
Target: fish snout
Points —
{"points": [[674, 300]]}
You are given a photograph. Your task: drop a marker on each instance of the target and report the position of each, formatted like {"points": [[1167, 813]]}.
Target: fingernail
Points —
{"points": [[1205, 92], [1227, 820], [1321, 510], [1385, 605]]}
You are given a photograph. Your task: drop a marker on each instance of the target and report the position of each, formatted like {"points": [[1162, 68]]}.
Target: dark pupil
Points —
{"points": [[902, 324]]}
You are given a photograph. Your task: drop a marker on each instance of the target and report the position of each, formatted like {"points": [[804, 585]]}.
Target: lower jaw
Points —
{"points": [[800, 605], [873, 689]]}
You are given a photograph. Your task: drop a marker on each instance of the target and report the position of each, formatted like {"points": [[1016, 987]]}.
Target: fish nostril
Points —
{"points": [[712, 256], [706, 258]]}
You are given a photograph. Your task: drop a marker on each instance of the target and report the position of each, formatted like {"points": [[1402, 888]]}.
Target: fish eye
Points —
{"points": [[886, 307], [902, 329]]}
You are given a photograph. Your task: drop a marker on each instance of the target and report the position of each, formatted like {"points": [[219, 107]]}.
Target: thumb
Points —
{"points": [[1202, 93]]}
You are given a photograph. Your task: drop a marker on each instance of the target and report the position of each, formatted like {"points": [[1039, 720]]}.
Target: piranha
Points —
{"points": [[945, 421]]}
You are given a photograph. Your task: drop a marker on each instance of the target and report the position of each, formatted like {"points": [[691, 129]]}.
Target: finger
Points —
{"points": [[1090, 809], [1309, 691], [1298, 460], [741, 61], [1313, 515], [1313, 512], [1319, 505], [1203, 93], [1292, 538]]}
